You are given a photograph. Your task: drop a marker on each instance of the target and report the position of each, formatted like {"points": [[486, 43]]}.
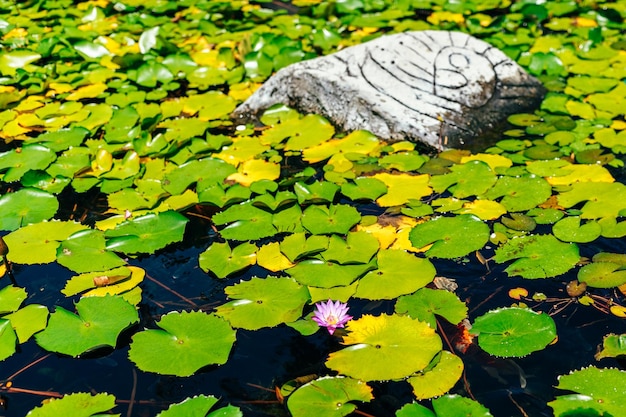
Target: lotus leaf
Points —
{"points": [[38, 242], [207, 171], [245, 222], [84, 251], [392, 347], [190, 341], [520, 193], [221, 260], [471, 178], [11, 298], [8, 339], [537, 256], [336, 218], [326, 274], [221, 197], [601, 199], [317, 192], [426, 302], [28, 320], [146, 234], [398, 273], [514, 331], [328, 396], [358, 247], [402, 188], [79, 404], [451, 237], [199, 406], [364, 188], [16, 163], [613, 345], [297, 245], [569, 229], [263, 302], [438, 380], [99, 322], [602, 274], [597, 389]]}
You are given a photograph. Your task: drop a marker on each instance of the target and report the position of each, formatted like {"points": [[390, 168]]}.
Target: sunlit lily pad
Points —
{"points": [[315, 193], [602, 274], [520, 193], [146, 234], [30, 157], [245, 222], [263, 302], [11, 298], [28, 320], [602, 390], [570, 229], [336, 218], [358, 247], [439, 379], [326, 274], [190, 341], [613, 345], [451, 237], [364, 188], [79, 404], [328, 396], [391, 346], [446, 406], [84, 251], [221, 260], [537, 256], [398, 273], [427, 302], [8, 339], [26, 206], [199, 406], [602, 199], [513, 332], [99, 322], [472, 178], [402, 188], [298, 245], [207, 171]]}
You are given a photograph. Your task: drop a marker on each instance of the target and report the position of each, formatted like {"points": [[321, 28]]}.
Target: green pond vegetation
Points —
{"points": [[130, 100]]}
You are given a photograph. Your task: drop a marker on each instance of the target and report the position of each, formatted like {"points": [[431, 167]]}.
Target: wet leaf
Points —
{"points": [[425, 303], [328, 396], [439, 379], [336, 218], [84, 251], [146, 234], [471, 178], [613, 345], [451, 237], [79, 404], [199, 406], [570, 229], [520, 193], [602, 274], [221, 260]]}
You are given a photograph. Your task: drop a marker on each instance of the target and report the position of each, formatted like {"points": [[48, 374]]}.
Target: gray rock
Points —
{"points": [[443, 89]]}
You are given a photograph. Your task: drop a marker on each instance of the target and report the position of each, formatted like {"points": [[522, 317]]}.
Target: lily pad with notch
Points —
{"points": [[328, 396], [190, 341], [326, 274], [471, 178], [520, 193], [425, 303], [357, 248], [199, 406], [363, 188], [439, 378], [336, 218], [78, 404], [221, 260], [84, 251], [245, 222], [297, 245], [570, 229], [603, 274]]}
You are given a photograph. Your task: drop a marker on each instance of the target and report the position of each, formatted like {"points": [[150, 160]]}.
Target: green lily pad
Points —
{"points": [[391, 346], [245, 222], [471, 178], [613, 345], [221, 197], [364, 188], [11, 298], [263, 302], [357, 248], [206, 171], [221, 260], [297, 245], [274, 202], [199, 406], [602, 274], [602, 390], [315, 193], [37, 243], [84, 251], [426, 303], [451, 237], [602, 199], [328, 396], [403, 161], [336, 218], [78, 404], [309, 131], [398, 273], [537, 256], [15, 163], [28, 320], [146, 234], [8, 339], [439, 379], [520, 193], [61, 139], [190, 341], [514, 331], [326, 274], [446, 406], [99, 322]]}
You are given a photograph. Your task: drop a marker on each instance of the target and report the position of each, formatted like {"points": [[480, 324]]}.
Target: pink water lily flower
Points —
{"points": [[331, 315]]}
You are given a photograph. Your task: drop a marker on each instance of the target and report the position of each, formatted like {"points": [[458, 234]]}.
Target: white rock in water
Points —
{"points": [[444, 89]]}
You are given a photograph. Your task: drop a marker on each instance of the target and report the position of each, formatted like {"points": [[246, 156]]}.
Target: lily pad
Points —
{"points": [[206, 171], [315, 193], [602, 199], [26, 206], [326, 274], [391, 346], [328, 396], [84, 251], [446, 406], [520, 193], [11, 298], [513, 332], [613, 345], [79, 404], [427, 302], [28, 320], [245, 222], [263, 302], [570, 229], [298, 245], [364, 188], [146, 234], [336, 218], [537, 256], [471, 178], [29, 157], [602, 274], [358, 247], [402, 188], [398, 273], [451, 237], [221, 260], [8, 339], [602, 390], [438, 380], [199, 406], [99, 322], [190, 341]]}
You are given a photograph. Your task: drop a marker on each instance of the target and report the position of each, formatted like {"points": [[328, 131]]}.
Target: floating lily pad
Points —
{"points": [[221, 260], [537, 256], [391, 346], [446, 406], [84, 282], [328, 396], [146, 234], [602, 390], [426, 303], [79, 404], [364, 188], [28, 320], [513, 332], [570, 229], [245, 222], [61, 139], [99, 322], [471, 178], [601, 199], [84, 251], [402, 188], [613, 345], [520, 193], [26, 206], [11, 298], [439, 379], [199, 406], [297, 245], [263, 302], [358, 247], [451, 237], [336, 218], [398, 273], [326, 274], [30, 157], [315, 193], [8, 339], [207, 171], [602, 274], [190, 341]]}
